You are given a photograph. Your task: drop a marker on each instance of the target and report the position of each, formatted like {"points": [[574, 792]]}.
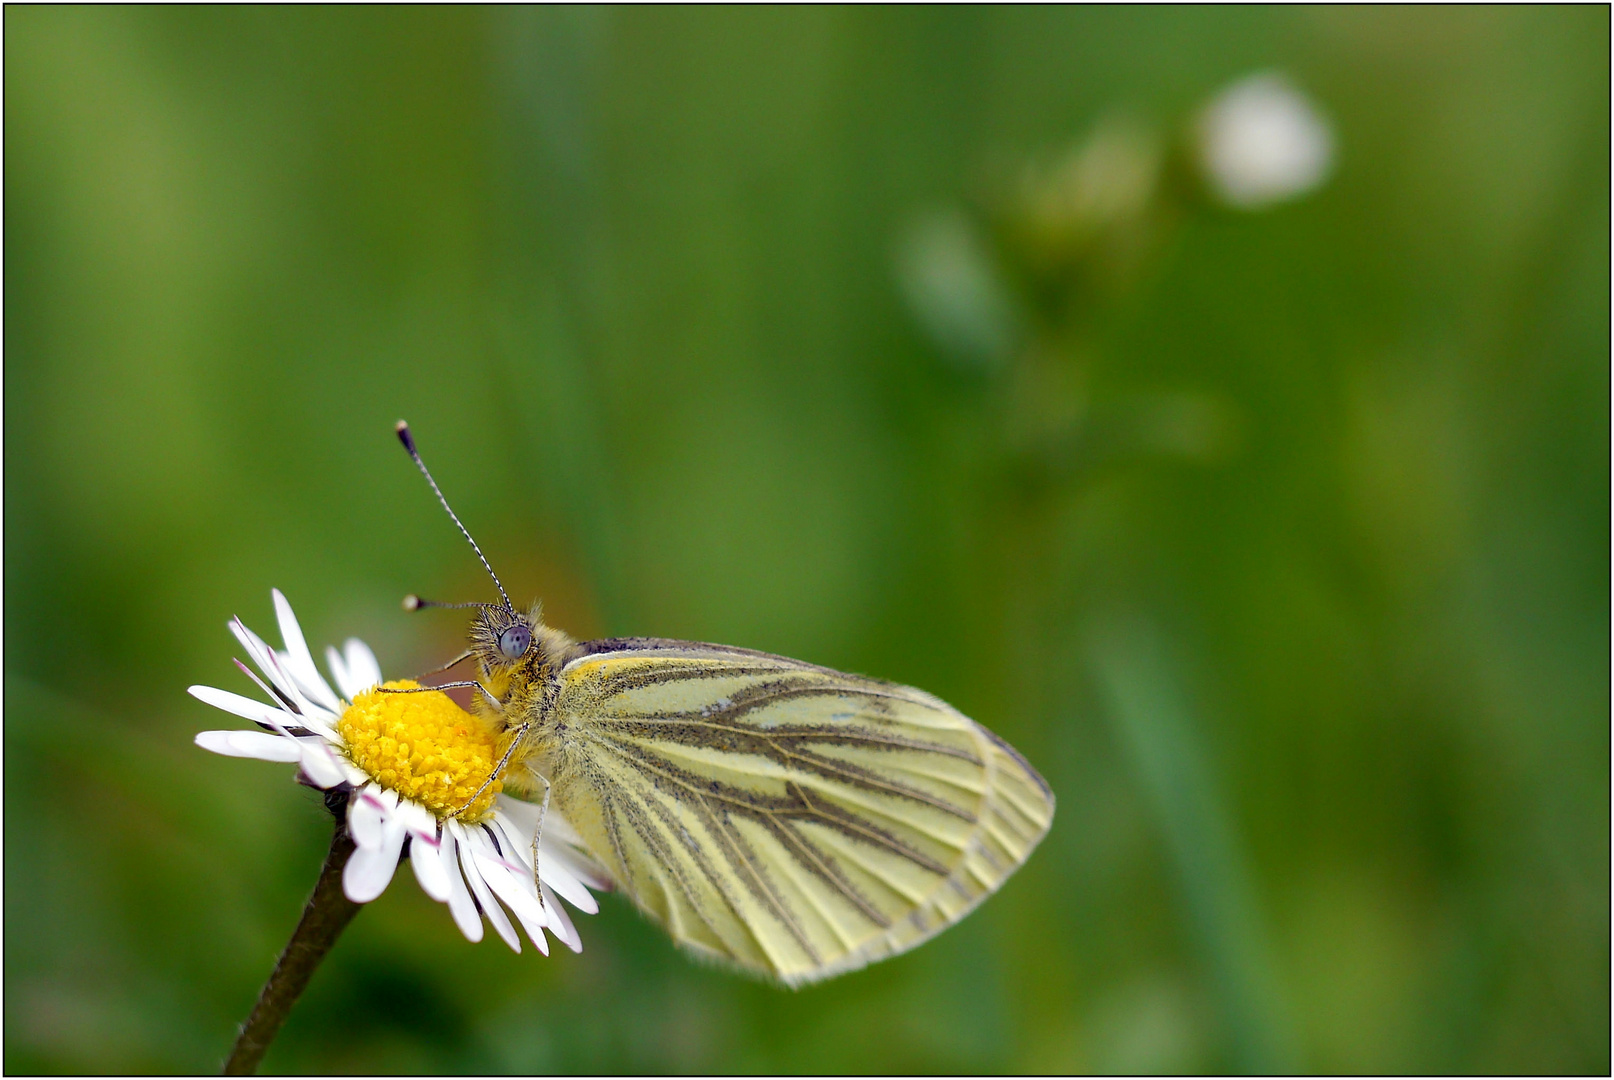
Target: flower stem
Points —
{"points": [[326, 914]]}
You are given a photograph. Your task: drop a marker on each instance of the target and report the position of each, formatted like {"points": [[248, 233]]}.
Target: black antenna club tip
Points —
{"points": [[411, 602], [402, 428]]}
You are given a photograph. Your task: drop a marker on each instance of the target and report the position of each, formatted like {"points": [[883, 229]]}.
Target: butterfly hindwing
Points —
{"points": [[790, 819]]}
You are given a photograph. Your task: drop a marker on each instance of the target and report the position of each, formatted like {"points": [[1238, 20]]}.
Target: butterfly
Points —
{"points": [[786, 819]]}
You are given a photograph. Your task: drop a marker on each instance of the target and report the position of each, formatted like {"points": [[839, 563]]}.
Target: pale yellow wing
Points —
{"points": [[793, 820]]}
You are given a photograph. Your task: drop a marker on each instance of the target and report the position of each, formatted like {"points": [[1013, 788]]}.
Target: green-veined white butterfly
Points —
{"points": [[794, 821]]}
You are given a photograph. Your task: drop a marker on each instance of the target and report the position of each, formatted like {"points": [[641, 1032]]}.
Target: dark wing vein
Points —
{"points": [[831, 815], [739, 856], [814, 860], [825, 732], [848, 771], [834, 815]]}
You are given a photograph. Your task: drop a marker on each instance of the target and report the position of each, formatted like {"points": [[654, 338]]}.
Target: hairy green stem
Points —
{"points": [[326, 914]]}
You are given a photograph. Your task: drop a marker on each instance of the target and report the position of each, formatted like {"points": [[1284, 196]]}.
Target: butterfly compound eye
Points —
{"points": [[514, 640]]}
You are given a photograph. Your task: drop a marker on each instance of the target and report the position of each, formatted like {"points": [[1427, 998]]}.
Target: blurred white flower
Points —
{"points": [[1261, 141]]}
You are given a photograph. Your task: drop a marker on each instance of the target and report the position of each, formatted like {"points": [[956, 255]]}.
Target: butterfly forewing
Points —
{"points": [[793, 820]]}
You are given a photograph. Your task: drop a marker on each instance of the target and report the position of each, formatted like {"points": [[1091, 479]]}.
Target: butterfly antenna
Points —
{"points": [[408, 441], [417, 603]]}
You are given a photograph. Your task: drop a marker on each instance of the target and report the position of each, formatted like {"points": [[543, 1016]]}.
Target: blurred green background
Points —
{"points": [[1277, 539]]}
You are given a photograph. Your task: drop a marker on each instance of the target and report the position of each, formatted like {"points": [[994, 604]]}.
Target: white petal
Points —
{"points": [[365, 815], [314, 719], [556, 827], [273, 664], [282, 678], [250, 744], [338, 666], [564, 852], [367, 874], [362, 666], [578, 863], [521, 901], [318, 726], [263, 656], [470, 840], [313, 687], [301, 661], [560, 922], [522, 814], [517, 855], [350, 772], [425, 852], [415, 817], [556, 873], [320, 763], [236, 705], [460, 904], [370, 870], [516, 843], [515, 868], [525, 816]]}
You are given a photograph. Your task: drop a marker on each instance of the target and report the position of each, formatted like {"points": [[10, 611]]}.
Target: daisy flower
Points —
{"points": [[406, 763]]}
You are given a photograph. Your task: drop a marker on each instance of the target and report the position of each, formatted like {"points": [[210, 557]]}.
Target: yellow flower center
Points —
{"points": [[424, 747]]}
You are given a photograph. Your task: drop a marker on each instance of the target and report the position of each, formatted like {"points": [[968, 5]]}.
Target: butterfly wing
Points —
{"points": [[793, 820]]}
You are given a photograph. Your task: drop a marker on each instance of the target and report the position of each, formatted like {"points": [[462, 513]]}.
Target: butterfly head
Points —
{"points": [[512, 646], [502, 637]]}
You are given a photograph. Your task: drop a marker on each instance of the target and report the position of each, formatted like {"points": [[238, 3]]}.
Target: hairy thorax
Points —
{"points": [[519, 700]]}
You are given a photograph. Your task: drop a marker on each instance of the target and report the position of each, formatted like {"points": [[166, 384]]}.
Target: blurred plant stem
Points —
{"points": [[325, 916], [1158, 734], [1019, 292]]}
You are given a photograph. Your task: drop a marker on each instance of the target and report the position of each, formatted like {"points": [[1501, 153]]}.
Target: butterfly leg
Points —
{"points": [[537, 837], [498, 770], [495, 702]]}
